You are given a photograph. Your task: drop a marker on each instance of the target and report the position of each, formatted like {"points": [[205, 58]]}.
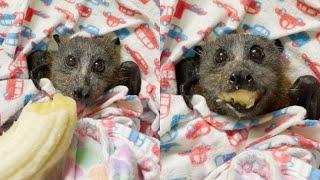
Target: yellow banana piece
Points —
{"points": [[38, 139], [243, 97]]}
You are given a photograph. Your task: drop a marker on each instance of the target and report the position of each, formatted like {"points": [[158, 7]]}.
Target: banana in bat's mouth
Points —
{"points": [[241, 99]]}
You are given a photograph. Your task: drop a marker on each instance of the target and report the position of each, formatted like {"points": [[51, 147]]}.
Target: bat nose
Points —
{"points": [[240, 78], [81, 93]]}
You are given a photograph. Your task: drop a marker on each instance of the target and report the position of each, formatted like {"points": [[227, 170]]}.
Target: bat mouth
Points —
{"points": [[241, 101], [243, 109]]}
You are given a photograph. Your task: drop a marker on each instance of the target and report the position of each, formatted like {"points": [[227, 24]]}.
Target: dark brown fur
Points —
{"points": [[86, 51], [269, 76]]}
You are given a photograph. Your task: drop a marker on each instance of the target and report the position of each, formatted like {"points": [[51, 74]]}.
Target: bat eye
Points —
{"points": [[71, 61], [98, 66], [256, 53], [221, 55]]}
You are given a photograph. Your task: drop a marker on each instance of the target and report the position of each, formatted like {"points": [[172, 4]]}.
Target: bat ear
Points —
{"points": [[198, 51], [116, 41], [110, 38], [56, 37], [233, 32], [57, 41], [279, 45], [130, 73]]}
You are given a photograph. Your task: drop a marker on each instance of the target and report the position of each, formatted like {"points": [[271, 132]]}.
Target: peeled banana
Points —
{"points": [[38, 139]]}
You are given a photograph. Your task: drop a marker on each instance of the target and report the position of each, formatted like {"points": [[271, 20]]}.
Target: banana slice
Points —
{"points": [[38, 140], [243, 97]]}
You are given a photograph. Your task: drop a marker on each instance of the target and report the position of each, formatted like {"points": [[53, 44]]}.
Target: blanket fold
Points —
{"points": [[272, 146]]}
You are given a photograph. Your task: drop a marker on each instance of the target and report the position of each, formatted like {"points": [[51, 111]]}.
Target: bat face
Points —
{"points": [[83, 68], [240, 74]]}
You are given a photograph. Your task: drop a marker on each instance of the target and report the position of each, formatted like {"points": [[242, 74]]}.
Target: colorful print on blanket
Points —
{"points": [[123, 126], [107, 142], [200, 144], [112, 146]]}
